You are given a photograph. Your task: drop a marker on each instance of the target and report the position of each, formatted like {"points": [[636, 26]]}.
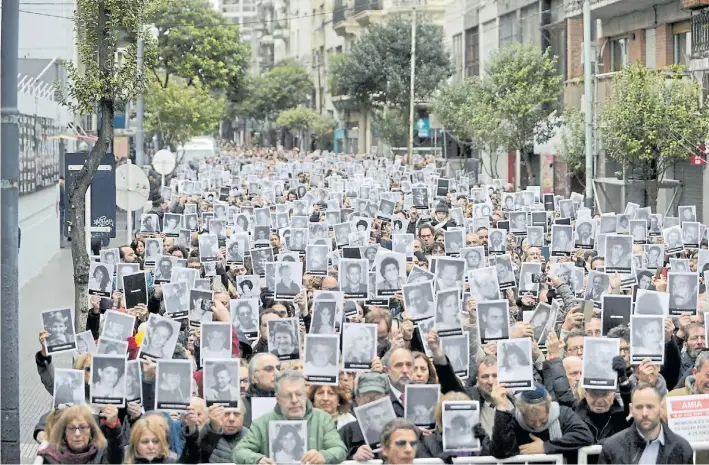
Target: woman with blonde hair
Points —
{"points": [[76, 438], [148, 443], [432, 445]]}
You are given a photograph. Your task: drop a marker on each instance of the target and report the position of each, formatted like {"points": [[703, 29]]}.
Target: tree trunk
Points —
{"points": [[77, 193]]}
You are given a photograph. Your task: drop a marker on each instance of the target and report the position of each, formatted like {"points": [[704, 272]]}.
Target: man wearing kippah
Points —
{"points": [[535, 425]]}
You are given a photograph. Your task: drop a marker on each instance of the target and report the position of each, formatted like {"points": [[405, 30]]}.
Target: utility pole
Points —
{"points": [[9, 246], [410, 152], [140, 109], [588, 91]]}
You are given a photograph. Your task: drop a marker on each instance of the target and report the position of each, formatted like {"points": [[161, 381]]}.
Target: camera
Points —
{"points": [[538, 278]]}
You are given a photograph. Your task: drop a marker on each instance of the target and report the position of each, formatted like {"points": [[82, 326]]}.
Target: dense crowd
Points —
{"points": [[288, 307]]}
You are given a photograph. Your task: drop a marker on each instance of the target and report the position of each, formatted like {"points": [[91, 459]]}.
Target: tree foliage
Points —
{"points": [[376, 68], [652, 119], [392, 125], [299, 120], [179, 112], [571, 148], [285, 86], [100, 82], [198, 44]]}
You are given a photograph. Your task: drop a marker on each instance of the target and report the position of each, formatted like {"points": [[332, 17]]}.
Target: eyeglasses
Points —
{"points": [[297, 395], [625, 349], [72, 429], [271, 368], [403, 442], [575, 350]]}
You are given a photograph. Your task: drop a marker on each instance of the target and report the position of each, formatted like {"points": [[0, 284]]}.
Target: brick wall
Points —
{"points": [[636, 46], [574, 47], [664, 46]]}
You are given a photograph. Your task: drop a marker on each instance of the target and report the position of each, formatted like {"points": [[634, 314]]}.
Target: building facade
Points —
{"points": [[270, 36], [241, 13]]}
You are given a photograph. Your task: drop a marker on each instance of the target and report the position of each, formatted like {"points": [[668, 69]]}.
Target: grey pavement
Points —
{"points": [[52, 288]]}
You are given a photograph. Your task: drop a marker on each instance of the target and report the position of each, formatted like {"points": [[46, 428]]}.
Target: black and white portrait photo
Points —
{"points": [[690, 234], [173, 389], [457, 348], [514, 364], [649, 302], [287, 441], [483, 284], [585, 234], [597, 285], [262, 216], [162, 272], [160, 337], [672, 237], [316, 259], [221, 382], [259, 258], [324, 317], [687, 213], [561, 243], [535, 236], [615, 311], [372, 417], [527, 285], [458, 420], [108, 380], [474, 257], [218, 228], [683, 289], [177, 299], [655, 225], [172, 222], [359, 346], [608, 224], [418, 300], [497, 242], [284, 338], [597, 371], [321, 359], [208, 247], [493, 320], [101, 279], [518, 223], [85, 343], [261, 236], [448, 312], [653, 256], [618, 254], [153, 250], [117, 325], [109, 256], [68, 387], [200, 306], [354, 278], [123, 269], [391, 273], [108, 346], [419, 194], [236, 249], [134, 382], [191, 222], [680, 265], [244, 315], [289, 280], [505, 272], [449, 272], [566, 209], [622, 224], [59, 325], [454, 241], [184, 275], [149, 223], [215, 340], [420, 405], [298, 239], [638, 229], [647, 339]]}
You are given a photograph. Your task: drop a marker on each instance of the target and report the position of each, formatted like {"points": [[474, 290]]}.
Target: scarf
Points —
{"points": [[67, 456], [552, 424]]}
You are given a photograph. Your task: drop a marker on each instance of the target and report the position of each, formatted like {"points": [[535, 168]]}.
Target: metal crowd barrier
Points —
{"points": [[584, 452], [556, 459]]}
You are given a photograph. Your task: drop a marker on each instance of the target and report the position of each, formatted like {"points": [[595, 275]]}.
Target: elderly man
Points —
{"points": [[263, 370], [648, 440], [221, 434], [536, 425], [323, 443]]}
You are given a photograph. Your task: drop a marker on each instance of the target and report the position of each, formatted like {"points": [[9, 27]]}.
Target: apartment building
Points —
{"points": [[350, 19], [241, 13], [270, 37]]}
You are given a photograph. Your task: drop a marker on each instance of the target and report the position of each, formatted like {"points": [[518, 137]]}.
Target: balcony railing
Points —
{"points": [[367, 5], [338, 13], [700, 33]]}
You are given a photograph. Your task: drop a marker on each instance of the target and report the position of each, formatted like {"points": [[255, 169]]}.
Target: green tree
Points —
{"points": [[300, 120], [571, 148], [198, 44], [284, 86], [392, 124], [376, 68], [179, 112], [514, 104], [99, 82]]}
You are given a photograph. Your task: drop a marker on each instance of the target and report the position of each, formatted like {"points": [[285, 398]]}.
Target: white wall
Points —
{"points": [[39, 222]]}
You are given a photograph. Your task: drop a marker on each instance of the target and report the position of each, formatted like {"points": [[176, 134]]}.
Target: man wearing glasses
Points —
{"points": [[263, 369]]}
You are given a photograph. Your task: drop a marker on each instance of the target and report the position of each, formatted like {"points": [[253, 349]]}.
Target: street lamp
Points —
{"points": [[140, 109]]}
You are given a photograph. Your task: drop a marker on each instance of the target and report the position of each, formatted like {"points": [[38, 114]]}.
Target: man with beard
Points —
{"points": [[683, 292], [485, 380], [694, 334], [648, 440]]}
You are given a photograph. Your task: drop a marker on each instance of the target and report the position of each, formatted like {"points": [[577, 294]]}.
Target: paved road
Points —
{"points": [[52, 288]]}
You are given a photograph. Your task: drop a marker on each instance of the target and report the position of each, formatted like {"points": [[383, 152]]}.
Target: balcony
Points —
{"points": [[700, 34], [339, 12], [695, 4], [367, 5]]}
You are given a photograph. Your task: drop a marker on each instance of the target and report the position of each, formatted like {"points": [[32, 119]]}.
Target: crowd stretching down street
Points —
{"points": [[290, 307]]}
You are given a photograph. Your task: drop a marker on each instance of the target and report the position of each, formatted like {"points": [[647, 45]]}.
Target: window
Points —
{"points": [[530, 25], [472, 52], [457, 53], [508, 29], [619, 54], [680, 49]]}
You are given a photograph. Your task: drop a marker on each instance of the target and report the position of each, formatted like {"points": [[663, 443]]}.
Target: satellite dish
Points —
{"points": [[164, 162], [132, 187]]}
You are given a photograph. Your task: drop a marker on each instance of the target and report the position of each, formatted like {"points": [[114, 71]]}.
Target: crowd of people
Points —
{"points": [[382, 311]]}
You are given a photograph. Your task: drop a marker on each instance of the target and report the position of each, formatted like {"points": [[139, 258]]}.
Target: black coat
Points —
{"points": [[628, 446], [432, 447], [616, 422]]}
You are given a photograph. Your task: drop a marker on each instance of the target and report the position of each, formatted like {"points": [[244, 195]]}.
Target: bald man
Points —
{"points": [[573, 366]]}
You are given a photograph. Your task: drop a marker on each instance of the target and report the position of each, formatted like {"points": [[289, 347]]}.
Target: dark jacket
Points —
{"points": [[556, 382], [353, 438], [253, 391], [508, 435], [615, 423], [432, 447], [216, 447], [628, 446]]}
